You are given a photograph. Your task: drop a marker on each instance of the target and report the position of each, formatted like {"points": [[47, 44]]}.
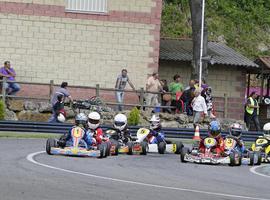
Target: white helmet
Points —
{"points": [[236, 130], [120, 122], [93, 120], [266, 130], [154, 122], [61, 118]]}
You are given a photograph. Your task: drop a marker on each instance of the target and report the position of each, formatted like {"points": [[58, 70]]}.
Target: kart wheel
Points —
{"points": [[259, 161], [49, 144], [108, 148], [235, 159], [102, 149], [144, 148], [179, 147], [161, 147], [130, 148], [116, 147], [251, 158], [183, 153]]}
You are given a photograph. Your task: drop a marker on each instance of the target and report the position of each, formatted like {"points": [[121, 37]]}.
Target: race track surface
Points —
{"points": [[120, 177]]}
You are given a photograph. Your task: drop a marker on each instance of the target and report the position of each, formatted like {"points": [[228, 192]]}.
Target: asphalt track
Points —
{"points": [[123, 177]]}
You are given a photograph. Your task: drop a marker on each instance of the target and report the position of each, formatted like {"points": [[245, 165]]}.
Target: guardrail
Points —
{"points": [[58, 128]]}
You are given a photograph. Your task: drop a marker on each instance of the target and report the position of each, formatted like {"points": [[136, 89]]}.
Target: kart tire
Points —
{"points": [[233, 161], [130, 148], [161, 147], [49, 144], [179, 147], [251, 158], [108, 148], [183, 153], [144, 146], [116, 144], [102, 149], [259, 161]]}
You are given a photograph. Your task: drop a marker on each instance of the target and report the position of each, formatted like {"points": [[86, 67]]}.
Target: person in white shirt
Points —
{"points": [[199, 106]]}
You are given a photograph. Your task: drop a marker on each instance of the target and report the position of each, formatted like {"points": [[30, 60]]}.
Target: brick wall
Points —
{"points": [[44, 42]]}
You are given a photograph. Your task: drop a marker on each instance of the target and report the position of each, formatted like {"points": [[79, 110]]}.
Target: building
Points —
{"points": [[84, 42], [227, 74]]}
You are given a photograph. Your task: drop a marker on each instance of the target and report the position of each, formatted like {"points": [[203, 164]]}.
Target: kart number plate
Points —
{"points": [[229, 143], [77, 132], [143, 131], [261, 141], [209, 142]]}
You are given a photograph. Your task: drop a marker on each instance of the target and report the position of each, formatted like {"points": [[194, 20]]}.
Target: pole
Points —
{"points": [[201, 47]]}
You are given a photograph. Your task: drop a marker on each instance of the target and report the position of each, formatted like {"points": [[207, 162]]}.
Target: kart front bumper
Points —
{"points": [[71, 151]]}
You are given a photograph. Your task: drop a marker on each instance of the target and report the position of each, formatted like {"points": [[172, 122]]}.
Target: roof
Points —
{"points": [[181, 50], [265, 60]]}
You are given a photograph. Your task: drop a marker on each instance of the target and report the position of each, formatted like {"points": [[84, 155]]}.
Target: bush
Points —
{"points": [[2, 110], [134, 117]]}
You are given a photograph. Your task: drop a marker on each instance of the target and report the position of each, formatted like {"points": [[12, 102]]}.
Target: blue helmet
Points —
{"points": [[214, 129]]}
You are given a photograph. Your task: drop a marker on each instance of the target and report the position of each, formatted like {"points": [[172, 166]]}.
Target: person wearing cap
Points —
{"points": [[120, 85], [252, 111], [54, 99], [199, 107]]}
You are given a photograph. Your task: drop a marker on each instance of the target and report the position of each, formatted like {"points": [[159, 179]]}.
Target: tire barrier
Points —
{"points": [[61, 128]]}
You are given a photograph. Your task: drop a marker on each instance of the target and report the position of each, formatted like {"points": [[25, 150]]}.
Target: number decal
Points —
{"points": [[143, 131], [261, 141], [210, 141], [77, 132], [229, 142]]}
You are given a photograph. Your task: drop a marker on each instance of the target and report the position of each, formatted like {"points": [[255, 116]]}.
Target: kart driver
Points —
{"points": [[156, 135], [235, 132], [81, 121], [214, 132], [266, 130], [94, 129]]}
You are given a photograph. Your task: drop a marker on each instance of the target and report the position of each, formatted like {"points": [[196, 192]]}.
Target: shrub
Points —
{"points": [[134, 117], [2, 110]]}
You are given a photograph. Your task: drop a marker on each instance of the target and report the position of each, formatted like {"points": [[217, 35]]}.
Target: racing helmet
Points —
{"points": [[93, 120], [236, 130], [214, 129], [266, 130], [81, 119], [154, 122], [120, 122]]}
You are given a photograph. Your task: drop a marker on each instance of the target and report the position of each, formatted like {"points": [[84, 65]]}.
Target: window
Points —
{"points": [[94, 6]]}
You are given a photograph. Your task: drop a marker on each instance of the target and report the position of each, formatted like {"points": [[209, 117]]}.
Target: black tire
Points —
{"points": [[102, 149], [161, 147], [251, 158], [179, 146], [183, 153], [49, 144], [234, 162], [259, 161], [130, 148], [108, 148], [144, 148], [116, 144]]}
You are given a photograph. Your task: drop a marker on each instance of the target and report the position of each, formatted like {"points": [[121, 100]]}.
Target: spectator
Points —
{"points": [[252, 111], [120, 85], [165, 98], [60, 114], [60, 91], [207, 95], [187, 97], [153, 85], [176, 88], [199, 107], [11, 86]]}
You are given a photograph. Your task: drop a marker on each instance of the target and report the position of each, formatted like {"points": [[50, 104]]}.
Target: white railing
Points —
{"points": [[95, 6]]}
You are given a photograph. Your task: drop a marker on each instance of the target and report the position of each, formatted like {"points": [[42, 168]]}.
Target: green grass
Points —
{"points": [[27, 135]]}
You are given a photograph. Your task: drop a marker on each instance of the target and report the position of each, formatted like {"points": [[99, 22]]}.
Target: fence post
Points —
{"points": [[51, 88], [225, 105], [4, 89], [97, 90], [141, 98]]}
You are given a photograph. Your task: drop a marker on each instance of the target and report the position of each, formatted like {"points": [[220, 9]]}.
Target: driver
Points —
{"points": [[156, 135], [214, 132], [235, 132], [266, 130], [80, 121], [94, 128]]}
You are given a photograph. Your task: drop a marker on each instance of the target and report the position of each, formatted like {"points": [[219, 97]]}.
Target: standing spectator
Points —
{"points": [[60, 114], [176, 88], [207, 95], [11, 86], [60, 91], [153, 85], [199, 107], [187, 97], [165, 98], [120, 85], [252, 111]]}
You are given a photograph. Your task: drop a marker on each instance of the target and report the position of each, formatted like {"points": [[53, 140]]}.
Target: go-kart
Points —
{"points": [[248, 157], [209, 156], [262, 145], [120, 146], [160, 147], [77, 147]]}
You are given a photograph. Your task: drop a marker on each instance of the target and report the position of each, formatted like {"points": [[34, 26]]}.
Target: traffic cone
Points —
{"points": [[197, 134]]}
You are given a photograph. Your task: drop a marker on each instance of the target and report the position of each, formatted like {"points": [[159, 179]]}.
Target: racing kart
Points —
{"points": [[248, 157], [120, 146], [209, 156], [262, 145], [160, 147], [77, 147]]}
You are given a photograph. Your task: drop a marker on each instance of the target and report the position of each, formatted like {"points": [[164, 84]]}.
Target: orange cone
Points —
{"points": [[197, 134]]}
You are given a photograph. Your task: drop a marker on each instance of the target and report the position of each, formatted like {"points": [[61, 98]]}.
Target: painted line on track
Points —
{"points": [[253, 170], [31, 156]]}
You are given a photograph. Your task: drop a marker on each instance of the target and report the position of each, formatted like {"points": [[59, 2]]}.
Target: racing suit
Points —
{"points": [[218, 149], [155, 136], [121, 136], [96, 135]]}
